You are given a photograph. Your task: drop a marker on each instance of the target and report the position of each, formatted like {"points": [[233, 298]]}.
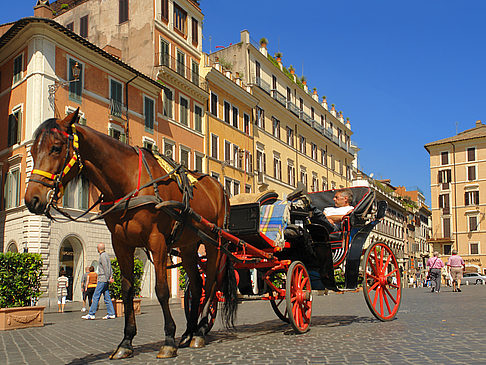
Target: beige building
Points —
{"points": [[458, 175], [296, 137]]}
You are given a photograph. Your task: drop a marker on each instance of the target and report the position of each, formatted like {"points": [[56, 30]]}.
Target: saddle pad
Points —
{"points": [[273, 221]]}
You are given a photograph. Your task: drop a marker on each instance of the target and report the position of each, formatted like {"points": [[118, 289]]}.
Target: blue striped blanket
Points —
{"points": [[273, 221]]}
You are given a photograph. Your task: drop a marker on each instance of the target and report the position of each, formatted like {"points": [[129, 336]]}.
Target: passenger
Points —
{"points": [[331, 217]]}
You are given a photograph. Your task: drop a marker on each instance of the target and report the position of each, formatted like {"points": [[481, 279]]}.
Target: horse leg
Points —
{"points": [[125, 257], [213, 260], [169, 348], [195, 282]]}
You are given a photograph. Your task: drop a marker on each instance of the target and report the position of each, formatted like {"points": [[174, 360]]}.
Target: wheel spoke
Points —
{"points": [[387, 262], [386, 302], [391, 296], [381, 300], [375, 299]]}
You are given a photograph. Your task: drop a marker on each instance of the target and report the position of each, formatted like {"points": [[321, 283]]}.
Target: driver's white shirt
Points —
{"points": [[338, 211]]}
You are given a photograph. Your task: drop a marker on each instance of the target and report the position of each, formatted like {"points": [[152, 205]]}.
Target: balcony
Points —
{"points": [[293, 108], [328, 133], [279, 97], [306, 118], [318, 127], [116, 108], [262, 84], [166, 61]]}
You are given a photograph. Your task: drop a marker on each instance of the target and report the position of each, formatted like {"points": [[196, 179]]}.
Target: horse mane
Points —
{"points": [[46, 126]]}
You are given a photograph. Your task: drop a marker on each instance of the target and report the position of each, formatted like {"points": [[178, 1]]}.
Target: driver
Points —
{"points": [[331, 217]]}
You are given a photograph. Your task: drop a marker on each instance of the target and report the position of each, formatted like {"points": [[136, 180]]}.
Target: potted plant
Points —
{"points": [[263, 42], [20, 288], [116, 291], [303, 79], [278, 56], [291, 69]]}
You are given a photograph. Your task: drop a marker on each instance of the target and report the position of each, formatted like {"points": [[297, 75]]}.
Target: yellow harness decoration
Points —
{"points": [[167, 167]]}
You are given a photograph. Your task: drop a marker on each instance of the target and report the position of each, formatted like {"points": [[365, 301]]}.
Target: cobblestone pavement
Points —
{"points": [[445, 328]]}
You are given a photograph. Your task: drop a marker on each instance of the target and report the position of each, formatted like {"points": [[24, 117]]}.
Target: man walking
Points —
{"points": [[456, 267], [105, 276], [435, 265]]}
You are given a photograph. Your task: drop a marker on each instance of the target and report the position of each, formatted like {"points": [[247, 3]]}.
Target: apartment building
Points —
{"points": [[297, 138], [38, 59], [458, 207], [162, 39], [230, 147]]}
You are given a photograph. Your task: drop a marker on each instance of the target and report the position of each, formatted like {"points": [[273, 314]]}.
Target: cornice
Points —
{"points": [[231, 87], [173, 78]]}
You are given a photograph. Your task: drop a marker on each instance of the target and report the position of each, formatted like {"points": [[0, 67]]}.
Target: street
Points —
{"points": [[444, 328]]}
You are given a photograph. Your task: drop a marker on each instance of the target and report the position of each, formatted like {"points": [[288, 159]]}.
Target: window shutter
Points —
{"points": [[466, 199], [440, 177]]}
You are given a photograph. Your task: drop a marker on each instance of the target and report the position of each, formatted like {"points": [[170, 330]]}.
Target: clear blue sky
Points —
{"points": [[405, 73]]}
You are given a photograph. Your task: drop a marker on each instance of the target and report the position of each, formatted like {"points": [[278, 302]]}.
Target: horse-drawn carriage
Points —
{"points": [[280, 241], [150, 202]]}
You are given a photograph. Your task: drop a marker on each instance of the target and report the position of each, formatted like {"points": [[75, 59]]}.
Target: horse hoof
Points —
{"points": [[167, 352], [121, 353], [197, 342], [185, 341]]}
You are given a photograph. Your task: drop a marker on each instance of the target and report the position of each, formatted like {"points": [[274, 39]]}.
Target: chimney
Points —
{"points": [[245, 36], [478, 123], [42, 9]]}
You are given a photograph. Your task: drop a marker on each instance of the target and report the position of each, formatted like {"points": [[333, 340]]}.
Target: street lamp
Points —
{"points": [[52, 89]]}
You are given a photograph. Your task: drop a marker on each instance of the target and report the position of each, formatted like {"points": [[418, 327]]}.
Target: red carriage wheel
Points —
{"points": [[299, 297], [213, 309], [382, 281]]}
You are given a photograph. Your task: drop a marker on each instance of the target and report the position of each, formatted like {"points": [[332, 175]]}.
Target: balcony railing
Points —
{"points": [[293, 108], [116, 108], [279, 97], [262, 84], [318, 127], [306, 118], [165, 60]]}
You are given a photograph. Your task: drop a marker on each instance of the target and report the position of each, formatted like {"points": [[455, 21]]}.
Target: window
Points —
{"points": [[12, 188], [473, 223], [214, 146], [164, 9], [444, 203], [17, 71], [76, 194], [315, 182], [116, 98], [235, 116], [246, 123], [14, 127], [471, 198], [195, 73], [181, 63], [164, 53], [184, 111], [227, 186], [214, 105], [303, 176], [169, 148], [290, 137], [227, 152], [333, 163], [323, 157], [291, 173], [324, 183], [471, 173], [276, 127], [261, 161], [314, 151], [148, 143], [260, 120], [446, 226], [75, 87], [236, 187], [474, 248], [195, 32], [122, 11], [117, 132], [184, 155], [168, 101], [149, 114], [444, 178], [70, 26], [197, 118], [302, 144], [471, 154], [248, 162], [447, 249], [444, 158], [180, 17], [198, 162], [247, 189], [226, 110], [237, 157], [83, 26], [277, 167]]}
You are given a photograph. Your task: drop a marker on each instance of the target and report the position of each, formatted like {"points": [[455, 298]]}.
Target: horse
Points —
{"points": [[63, 149]]}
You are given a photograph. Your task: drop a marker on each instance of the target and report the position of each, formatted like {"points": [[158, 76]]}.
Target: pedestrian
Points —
{"points": [[91, 284], [435, 265], [456, 268], [62, 285], [105, 277], [83, 288]]}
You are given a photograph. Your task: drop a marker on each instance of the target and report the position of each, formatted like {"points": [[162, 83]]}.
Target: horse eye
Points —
{"points": [[56, 149]]}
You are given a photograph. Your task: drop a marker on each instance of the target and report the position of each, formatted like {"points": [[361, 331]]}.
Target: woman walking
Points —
{"points": [[435, 265]]}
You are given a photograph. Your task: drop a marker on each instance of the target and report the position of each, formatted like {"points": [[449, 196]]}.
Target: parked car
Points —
{"points": [[473, 278]]}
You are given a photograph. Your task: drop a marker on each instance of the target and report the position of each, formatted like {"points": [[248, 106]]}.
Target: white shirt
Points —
{"points": [[338, 211]]}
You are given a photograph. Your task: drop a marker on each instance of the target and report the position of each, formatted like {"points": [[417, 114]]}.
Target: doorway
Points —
{"points": [[71, 261]]}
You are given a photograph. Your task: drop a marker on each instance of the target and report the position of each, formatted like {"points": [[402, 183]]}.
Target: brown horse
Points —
{"points": [[114, 168]]}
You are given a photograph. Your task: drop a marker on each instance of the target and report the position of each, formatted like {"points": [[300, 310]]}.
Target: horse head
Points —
{"points": [[56, 162]]}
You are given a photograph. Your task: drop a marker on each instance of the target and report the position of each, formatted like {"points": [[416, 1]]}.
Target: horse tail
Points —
{"points": [[229, 288]]}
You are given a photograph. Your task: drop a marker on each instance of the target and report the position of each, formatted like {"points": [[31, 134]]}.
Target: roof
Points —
{"points": [[477, 132], [19, 25]]}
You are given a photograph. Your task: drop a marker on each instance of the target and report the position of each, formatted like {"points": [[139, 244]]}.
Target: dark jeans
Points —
{"points": [[90, 292], [435, 277]]}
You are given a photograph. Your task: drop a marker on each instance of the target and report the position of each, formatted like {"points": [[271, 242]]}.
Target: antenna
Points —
{"points": [[210, 38], [457, 124]]}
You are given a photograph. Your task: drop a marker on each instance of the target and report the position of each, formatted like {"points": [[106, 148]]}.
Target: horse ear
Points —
{"points": [[71, 119]]}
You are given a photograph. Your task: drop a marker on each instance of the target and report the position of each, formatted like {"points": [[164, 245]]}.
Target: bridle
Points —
{"points": [[56, 188]]}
